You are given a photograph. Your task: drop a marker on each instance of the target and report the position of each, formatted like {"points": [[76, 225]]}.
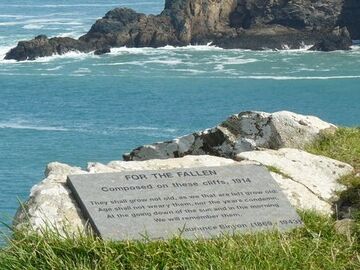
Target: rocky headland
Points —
{"points": [[246, 24], [275, 140]]}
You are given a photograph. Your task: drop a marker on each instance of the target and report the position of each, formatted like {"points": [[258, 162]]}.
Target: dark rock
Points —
{"points": [[249, 24], [338, 39], [41, 46], [103, 51], [350, 17], [241, 132]]}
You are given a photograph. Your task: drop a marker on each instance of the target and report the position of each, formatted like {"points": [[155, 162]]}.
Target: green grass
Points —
{"points": [[315, 246], [344, 145], [278, 171]]}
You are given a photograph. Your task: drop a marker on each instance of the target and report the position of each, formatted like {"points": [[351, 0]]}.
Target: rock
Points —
{"points": [[338, 39], [51, 205], [315, 177], [241, 132], [350, 18], [102, 51], [248, 24], [41, 46]]}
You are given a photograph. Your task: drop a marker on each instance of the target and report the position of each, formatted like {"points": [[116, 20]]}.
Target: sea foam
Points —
{"points": [[28, 126]]}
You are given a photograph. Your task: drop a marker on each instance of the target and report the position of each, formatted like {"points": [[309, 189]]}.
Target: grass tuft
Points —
{"points": [[278, 171], [343, 145], [314, 246]]}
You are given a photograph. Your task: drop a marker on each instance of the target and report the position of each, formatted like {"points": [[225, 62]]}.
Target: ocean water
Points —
{"points": [[79, 107]]}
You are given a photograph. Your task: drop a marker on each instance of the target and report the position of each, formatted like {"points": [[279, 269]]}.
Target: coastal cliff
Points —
{"points": [[247, 24]]}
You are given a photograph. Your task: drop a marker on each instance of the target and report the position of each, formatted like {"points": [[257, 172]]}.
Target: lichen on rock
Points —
{"points": [[241, 132]]}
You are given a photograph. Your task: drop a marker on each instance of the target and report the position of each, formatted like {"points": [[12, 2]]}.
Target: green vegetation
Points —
{"points": [[278, 171], [317, 245], [344, 145]]}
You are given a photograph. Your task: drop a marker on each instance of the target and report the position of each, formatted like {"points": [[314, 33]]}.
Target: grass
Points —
{"points": [[316, 245], [278, 171], [344, 145]]}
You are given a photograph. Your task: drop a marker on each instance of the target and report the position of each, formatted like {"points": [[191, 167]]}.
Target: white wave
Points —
{"points": [[72, 55], [281, 78], [316, 69], [152, 51], [131, 129], [21, 16], [73, 34], [50, 69], [30, 74], [20, 125], [135, 63], [219, 67], [170, 62], [355, 48], [303, 47], [15, 16], [3, 51], [207, 47], [126, 50], [33, 26], [234, 60], [82, 5], [46, 21], [144, 128], [82, 70], [194, 71]]}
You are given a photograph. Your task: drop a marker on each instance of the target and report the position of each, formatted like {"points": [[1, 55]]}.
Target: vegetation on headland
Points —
{"points": [[344, 145], [317, 245]]}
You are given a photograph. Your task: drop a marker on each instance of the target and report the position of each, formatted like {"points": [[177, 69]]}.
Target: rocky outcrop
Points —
{"points": [[338, 40], [42, 46], [52, 206], [310, 183], [242, 132], [248, 24], [350, 17]]}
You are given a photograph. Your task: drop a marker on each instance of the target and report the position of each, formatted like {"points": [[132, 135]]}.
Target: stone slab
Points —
{"points": [[198, 202]]}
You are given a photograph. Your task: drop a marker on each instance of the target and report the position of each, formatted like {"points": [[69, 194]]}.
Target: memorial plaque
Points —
{"points": [[197, 202]]}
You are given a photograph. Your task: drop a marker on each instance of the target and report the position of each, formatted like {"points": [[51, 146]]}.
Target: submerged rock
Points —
{"points": [[242, 132], [104, 50], [248, 24]]}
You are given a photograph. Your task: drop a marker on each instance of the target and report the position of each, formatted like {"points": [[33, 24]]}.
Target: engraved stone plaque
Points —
{"points": [[197, 202]]}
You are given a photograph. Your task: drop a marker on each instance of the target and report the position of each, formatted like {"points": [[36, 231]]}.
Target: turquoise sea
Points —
{"points": [[80, 107]]}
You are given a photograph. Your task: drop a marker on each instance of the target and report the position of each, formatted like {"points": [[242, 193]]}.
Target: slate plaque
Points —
{"points": [[197, 202]]}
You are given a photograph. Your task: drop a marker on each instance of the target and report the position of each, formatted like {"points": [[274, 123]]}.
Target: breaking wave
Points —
{"points": [[28, 126]]}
